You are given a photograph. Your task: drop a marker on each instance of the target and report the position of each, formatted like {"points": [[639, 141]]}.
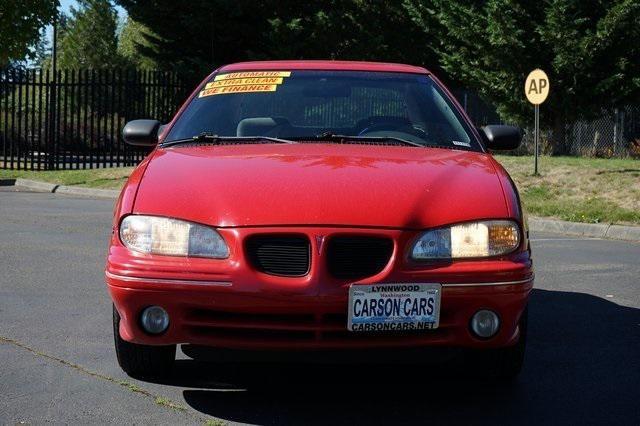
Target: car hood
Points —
{"points": [[320, 184]]}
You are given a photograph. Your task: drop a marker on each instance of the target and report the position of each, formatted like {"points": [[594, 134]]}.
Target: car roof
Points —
{"points": [[323, 65]]}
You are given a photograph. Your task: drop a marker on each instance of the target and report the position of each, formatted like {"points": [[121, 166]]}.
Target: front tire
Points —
{"points": [[141, 360]]}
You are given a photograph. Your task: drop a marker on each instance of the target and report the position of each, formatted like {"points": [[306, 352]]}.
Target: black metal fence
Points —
{"points": [[73, 119]]}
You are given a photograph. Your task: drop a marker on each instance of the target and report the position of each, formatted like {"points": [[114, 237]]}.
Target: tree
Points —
{"points": [[89, 39], [134, 38], [350, 29], [590, 50], [21, 23], [41, 50], [209, 33], [44, 48], [192, 39]]}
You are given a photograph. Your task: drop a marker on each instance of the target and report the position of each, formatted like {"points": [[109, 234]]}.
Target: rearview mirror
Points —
{"points": [[141, 132], [501, 137]]}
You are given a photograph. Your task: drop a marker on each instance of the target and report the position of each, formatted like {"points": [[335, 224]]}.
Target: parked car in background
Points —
{"points": [[320, 205]]}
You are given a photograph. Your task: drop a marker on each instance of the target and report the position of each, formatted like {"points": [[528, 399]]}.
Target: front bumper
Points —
{"points": [[227, 304], [212, 314]]}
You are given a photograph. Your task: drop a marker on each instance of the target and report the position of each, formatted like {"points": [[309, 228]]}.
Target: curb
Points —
{"points": [[591, 230], [537, 224], [36, 185], [87, 192], [64, 189]]}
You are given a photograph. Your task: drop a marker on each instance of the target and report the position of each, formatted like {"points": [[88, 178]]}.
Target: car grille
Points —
{"points": [[355, 257], [283, 255], [237, 329]]}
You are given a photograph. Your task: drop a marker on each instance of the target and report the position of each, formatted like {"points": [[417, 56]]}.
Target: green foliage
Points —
{"points": [[21, 23], [349, 29], [207, 33], [89, 40], [41, 52], [595, 52], [132, 39], [44, 49], [192, 38], [590, 50]]}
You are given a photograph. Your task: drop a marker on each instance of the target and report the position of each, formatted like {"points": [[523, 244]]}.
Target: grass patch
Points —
{"points": [[591, 190], [168, 403], [132, 387], [109, 178], [215, 422]]}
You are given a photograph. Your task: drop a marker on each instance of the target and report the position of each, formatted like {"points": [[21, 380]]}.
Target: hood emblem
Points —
{"points": [[320, 243]]}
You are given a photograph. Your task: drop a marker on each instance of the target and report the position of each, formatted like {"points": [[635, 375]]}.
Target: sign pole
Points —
{"points": [[536, 137], [536, 89]]}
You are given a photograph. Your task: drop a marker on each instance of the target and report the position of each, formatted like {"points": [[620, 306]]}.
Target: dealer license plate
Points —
{"points": [[394, 307]]}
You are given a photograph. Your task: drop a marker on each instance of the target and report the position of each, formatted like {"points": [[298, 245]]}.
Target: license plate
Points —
{"points": [[394, 307]]}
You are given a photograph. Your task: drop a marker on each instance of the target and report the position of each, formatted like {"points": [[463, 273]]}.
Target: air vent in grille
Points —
{"points": [[356, 257], [284, 255]]}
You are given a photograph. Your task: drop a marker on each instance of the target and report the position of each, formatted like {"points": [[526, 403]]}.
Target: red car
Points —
{"points": [[319, 206]]}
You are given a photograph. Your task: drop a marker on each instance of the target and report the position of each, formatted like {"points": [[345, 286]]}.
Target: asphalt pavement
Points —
{"points": [[57, 362]]}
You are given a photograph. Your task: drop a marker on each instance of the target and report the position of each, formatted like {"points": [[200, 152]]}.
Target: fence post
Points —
{"points": [[621, 133], [4, 75], [615, 131], [51, 86]]}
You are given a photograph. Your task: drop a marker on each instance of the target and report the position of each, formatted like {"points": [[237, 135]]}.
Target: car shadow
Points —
{"points": [[582, 366]]}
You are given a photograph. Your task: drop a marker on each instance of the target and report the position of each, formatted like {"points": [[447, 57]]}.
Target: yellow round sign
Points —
{"points": [[536, 87]]}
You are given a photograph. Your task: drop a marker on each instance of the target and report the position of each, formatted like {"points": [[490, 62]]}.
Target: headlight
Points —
{"points": [[171, 237], [474, 239]]}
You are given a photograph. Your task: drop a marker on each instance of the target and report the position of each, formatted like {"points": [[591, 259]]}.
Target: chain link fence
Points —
{"points": [[614, 134]]}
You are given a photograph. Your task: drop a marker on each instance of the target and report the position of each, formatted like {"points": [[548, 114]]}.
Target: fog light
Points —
{"points": [[485, 323], [154, 319]]}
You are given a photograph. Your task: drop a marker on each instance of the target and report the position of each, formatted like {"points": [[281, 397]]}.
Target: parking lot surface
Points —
{"points": [[57, 362]]}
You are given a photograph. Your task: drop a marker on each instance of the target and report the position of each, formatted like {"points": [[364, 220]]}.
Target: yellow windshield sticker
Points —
{"points": [[244, 81], [248, 88], [250, 74]]}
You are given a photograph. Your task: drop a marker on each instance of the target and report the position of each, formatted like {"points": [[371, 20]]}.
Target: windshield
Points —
{"points": [[305, 105]]}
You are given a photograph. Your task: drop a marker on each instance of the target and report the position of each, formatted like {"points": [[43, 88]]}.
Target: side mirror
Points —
{"points": [[141, 132], [501, 137]]}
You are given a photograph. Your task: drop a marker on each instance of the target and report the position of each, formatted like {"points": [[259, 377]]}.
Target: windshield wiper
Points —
{"points": [[335, 138], [215, 139]]}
